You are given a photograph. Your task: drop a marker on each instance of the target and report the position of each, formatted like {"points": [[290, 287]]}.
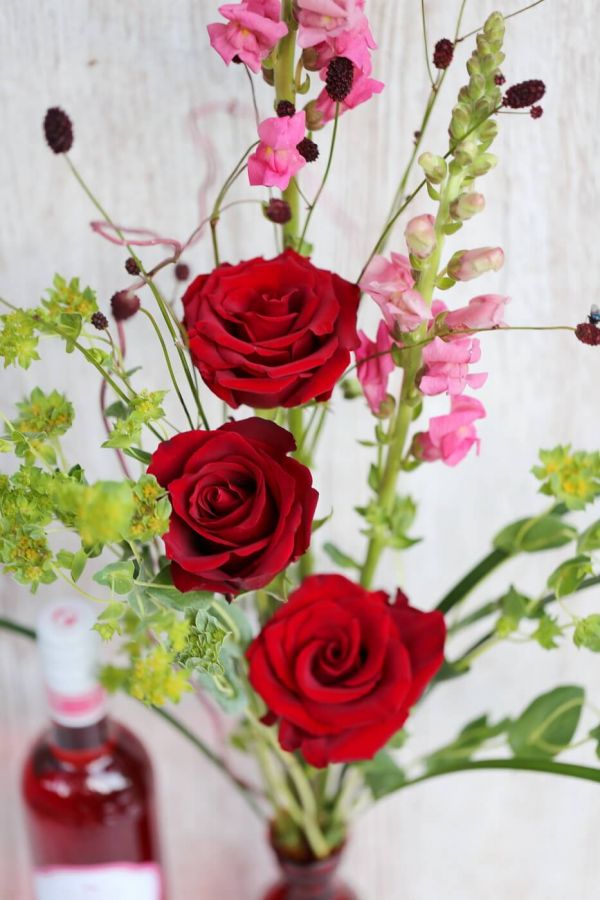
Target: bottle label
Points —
{"points": [[134, 881]]}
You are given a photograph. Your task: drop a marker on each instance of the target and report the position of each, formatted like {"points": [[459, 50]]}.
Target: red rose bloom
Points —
{"points": [[340, 667], [242, 509], [271, 332]]}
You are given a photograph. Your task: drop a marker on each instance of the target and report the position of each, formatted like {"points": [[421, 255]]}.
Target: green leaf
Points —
{"points": [[432, 192], [381, 774], [534, 535], [587, 633], [548, 724], [318, 523], [514, 608], [136, 453], [78, 564], [339, 558], [547, 632], [595, 735], [567, 578], [589, 540], [118, 576], [472, 737]]}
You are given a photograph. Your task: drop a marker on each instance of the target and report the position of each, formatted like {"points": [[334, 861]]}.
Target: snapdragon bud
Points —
{"points": [[467, 205], [435, 167], [420, 236], [468, 264], [314, 118]]}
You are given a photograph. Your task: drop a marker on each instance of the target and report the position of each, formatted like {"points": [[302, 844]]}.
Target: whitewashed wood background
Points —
{"points": [[131, 76]]}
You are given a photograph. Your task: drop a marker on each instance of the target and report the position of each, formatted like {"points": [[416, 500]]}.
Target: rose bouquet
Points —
{"points": [[212, 584]]}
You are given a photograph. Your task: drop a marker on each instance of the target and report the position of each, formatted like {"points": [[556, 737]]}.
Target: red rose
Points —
{"points": [[271, 332], [242, 509], [340, 667]]}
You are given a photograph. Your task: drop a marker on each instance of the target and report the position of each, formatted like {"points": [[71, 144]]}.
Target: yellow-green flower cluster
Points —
{"points": [[18, 338], [68, 297], [143, 409], [572, 477], [151, 510]]}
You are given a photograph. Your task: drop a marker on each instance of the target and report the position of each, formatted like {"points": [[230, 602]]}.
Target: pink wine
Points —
{"points": [[87, 781]]}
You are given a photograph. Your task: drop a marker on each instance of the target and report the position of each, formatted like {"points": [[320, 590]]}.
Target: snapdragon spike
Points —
{"points": [[524, 94], [58, 130], [339, 78], [124, 305], [588, 333], [308, 149], [443, 53]]}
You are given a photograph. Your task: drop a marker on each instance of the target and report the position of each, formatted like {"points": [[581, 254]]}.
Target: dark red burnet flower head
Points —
{"points": [[340, 667], [339, 78], [278, 211], [58, 130], [273, 332], [524, 94], [124, 305], [242, 509], [588, 333], [443, 53]]}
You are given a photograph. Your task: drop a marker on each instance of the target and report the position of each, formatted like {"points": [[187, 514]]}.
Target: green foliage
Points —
{"points": [[101, 513], [381, 774], [573, 478], [43, 416], [152, 510], [68, 298], [595, 735], [144, 408], [589, 540], [391, 528], [340, 558], [535, 534], [18, 338], [514, 608], [569, 575], [587, 633], [548, 724], [547, 632], [117, 576], [472, 738]]}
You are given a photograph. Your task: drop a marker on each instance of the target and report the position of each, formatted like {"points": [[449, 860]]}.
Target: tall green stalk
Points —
{"points": [[285, 89]]}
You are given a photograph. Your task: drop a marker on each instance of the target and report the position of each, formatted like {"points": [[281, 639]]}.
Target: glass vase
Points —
{"points": [[311, 880]]}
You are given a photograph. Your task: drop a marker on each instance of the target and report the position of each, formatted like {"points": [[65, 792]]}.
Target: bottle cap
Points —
{"points": [[69, 653]]}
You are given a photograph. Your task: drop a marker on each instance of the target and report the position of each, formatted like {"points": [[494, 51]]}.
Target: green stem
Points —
{"points": [[525, 765], [472, 579], [21, 630], [157, 330], [285, 89], [325, 175], [426, 43]]}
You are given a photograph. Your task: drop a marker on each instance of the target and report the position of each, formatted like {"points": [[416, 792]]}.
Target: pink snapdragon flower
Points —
{"points": [[420, 236], [451, 437], [447, 366], [485, 311], [319, 20], [250, 34], [468, 264], [355, 45], [390, 284], [375, 364], [276, 159], [363, 88]]}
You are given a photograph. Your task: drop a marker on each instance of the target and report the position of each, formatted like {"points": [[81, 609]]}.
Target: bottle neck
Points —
{"points": [[84, 740]]}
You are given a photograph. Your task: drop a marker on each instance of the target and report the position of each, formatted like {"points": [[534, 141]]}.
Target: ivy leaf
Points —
{"points": [[587, 633], [381, 774], [118, 576], [568, 576], [548, 724], [534, 535], [339, 558]]}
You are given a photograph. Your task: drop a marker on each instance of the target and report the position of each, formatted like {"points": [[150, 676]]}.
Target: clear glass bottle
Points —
{"points": [[87, 781]]}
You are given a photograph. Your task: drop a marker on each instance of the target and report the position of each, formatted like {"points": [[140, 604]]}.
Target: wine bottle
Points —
{"points": [[87, 781]]}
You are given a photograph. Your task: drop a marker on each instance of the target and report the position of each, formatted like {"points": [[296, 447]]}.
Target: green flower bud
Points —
{"points": [[467, 205], [351, 388], [434, 167], [483, 164]]}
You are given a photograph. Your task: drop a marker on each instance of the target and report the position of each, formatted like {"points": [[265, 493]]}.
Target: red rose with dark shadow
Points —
{"points": [[340, 667], [271, 332], [242, 508]]}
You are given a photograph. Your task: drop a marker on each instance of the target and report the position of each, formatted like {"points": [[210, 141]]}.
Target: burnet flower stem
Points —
{"points": [[161, 341]]}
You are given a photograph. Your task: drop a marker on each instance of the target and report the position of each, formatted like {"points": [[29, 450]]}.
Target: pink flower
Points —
{"points": [[468, 264], [420, 236], [373, 369], [447, 366], [322, 19], [391, 284], [250, 33], [363, 88], [270, 9], [276, 159], [355, 45], [486, 311], [451, 437]]}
